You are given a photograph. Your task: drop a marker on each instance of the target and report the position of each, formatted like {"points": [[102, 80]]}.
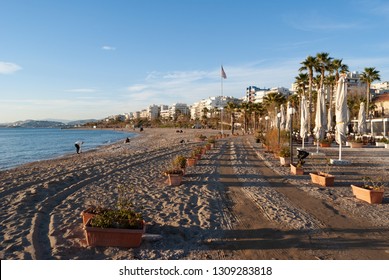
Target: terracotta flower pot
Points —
{"points": [[115, 237], [296, 170], [322, 179], [325, 145], [191, 161], [284, 161], [370, 196], [356, 145], [174, 179]]}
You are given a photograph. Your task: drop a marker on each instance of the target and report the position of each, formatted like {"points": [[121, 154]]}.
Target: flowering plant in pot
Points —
{"points": [[371, 191], [120, 227], [284, 156], [325, 143], [322, 174], [356, 143], [176, 172]]}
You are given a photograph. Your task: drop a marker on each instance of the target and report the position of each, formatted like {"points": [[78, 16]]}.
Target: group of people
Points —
{"points": [[78, 144]]}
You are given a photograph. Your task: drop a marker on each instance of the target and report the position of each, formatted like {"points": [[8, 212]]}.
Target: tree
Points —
{"points": [[231, 108], [323, 64], [309, 64], [368, 76], [302, 81]]}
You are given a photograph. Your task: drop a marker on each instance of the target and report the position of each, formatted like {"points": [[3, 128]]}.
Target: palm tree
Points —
{"points": [[368, 76], [302, 81], [231, 108], [339, 68], [323, 64], [244, 107], [309, 64]]}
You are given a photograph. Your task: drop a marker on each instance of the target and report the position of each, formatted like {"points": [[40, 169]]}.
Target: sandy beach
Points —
{"points": [[236, 203]]}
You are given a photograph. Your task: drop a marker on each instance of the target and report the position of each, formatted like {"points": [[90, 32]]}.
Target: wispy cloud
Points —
{"points": [[82, 90], [315, 21], [8, 67], [192, 86], [108, 48]]}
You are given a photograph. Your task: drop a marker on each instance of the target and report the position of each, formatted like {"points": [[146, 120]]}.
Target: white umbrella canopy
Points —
{"points": [[362, 119], [341, 111], [304, 118], [283, 120], [320, 118]]}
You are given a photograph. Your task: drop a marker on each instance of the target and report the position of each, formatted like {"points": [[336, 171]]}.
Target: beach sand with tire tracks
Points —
{"points": [[41, 202]]}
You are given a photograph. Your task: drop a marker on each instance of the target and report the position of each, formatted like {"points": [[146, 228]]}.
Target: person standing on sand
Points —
{"points": [[78, 146]]}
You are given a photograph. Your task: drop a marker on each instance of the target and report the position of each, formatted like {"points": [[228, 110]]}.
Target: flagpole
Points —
{"points": [[221, 88]]}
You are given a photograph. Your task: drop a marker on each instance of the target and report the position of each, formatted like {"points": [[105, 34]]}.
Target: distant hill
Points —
{"points": [[36, 124], [46, 124], [81, 122]]}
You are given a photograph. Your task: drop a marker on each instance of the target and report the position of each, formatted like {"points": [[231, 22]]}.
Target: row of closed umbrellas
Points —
{"points": [[321, 120]]}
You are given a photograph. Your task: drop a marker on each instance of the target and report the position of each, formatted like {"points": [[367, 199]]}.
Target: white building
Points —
{"points": [[211, 104]]}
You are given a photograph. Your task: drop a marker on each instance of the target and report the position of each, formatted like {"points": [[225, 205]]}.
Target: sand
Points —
{"points": [[41, 202]]}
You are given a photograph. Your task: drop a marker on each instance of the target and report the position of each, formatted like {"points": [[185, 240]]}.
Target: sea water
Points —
{"points": [[24, 145]]}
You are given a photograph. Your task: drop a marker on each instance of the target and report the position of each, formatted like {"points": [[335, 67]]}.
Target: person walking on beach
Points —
{"points": [[78, 146]]}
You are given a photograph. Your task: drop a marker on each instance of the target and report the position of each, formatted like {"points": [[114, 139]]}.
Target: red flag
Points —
{"points": [[223, 74]]}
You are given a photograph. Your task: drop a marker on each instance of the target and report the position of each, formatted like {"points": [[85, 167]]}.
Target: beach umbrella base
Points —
{"points": [[339, 162]]}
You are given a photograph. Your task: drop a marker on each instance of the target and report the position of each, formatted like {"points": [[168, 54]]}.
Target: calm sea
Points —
{"points": [[23, 145]]}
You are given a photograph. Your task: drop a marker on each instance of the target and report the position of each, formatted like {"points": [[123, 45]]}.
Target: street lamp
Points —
{"points": [[291, 111], [221, 119]]}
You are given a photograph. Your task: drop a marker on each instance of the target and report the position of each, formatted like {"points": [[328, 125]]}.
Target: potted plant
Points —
{"points": [[284, 156], [174, 176], [372, 191], [200, 137], [356, 143], [192, 160], [297, 169], [322, 175], [212, 142], [180, 162], [386, 142], [197, 152], [325, 143], [119, 227]]}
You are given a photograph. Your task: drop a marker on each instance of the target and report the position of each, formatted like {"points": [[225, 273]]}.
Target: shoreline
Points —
{"points": [[66, 154]]}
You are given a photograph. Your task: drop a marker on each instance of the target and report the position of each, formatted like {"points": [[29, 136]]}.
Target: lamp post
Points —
{"points": [[221, 119], [291, 111], [279, 127]]}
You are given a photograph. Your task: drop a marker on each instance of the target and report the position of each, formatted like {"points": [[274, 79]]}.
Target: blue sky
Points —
{"points": [[90, 59]]}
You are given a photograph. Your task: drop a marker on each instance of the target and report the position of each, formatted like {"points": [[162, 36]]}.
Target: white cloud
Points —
{"points": [[108, 48], [192, 86], [8, 67], [82, 90]]}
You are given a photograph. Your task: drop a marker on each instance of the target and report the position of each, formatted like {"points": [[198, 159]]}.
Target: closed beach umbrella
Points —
{"points": [[304, 119], [329, 118], [341, 113], [283, 120], [362, 119], [320, 118], [287, 125]]}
